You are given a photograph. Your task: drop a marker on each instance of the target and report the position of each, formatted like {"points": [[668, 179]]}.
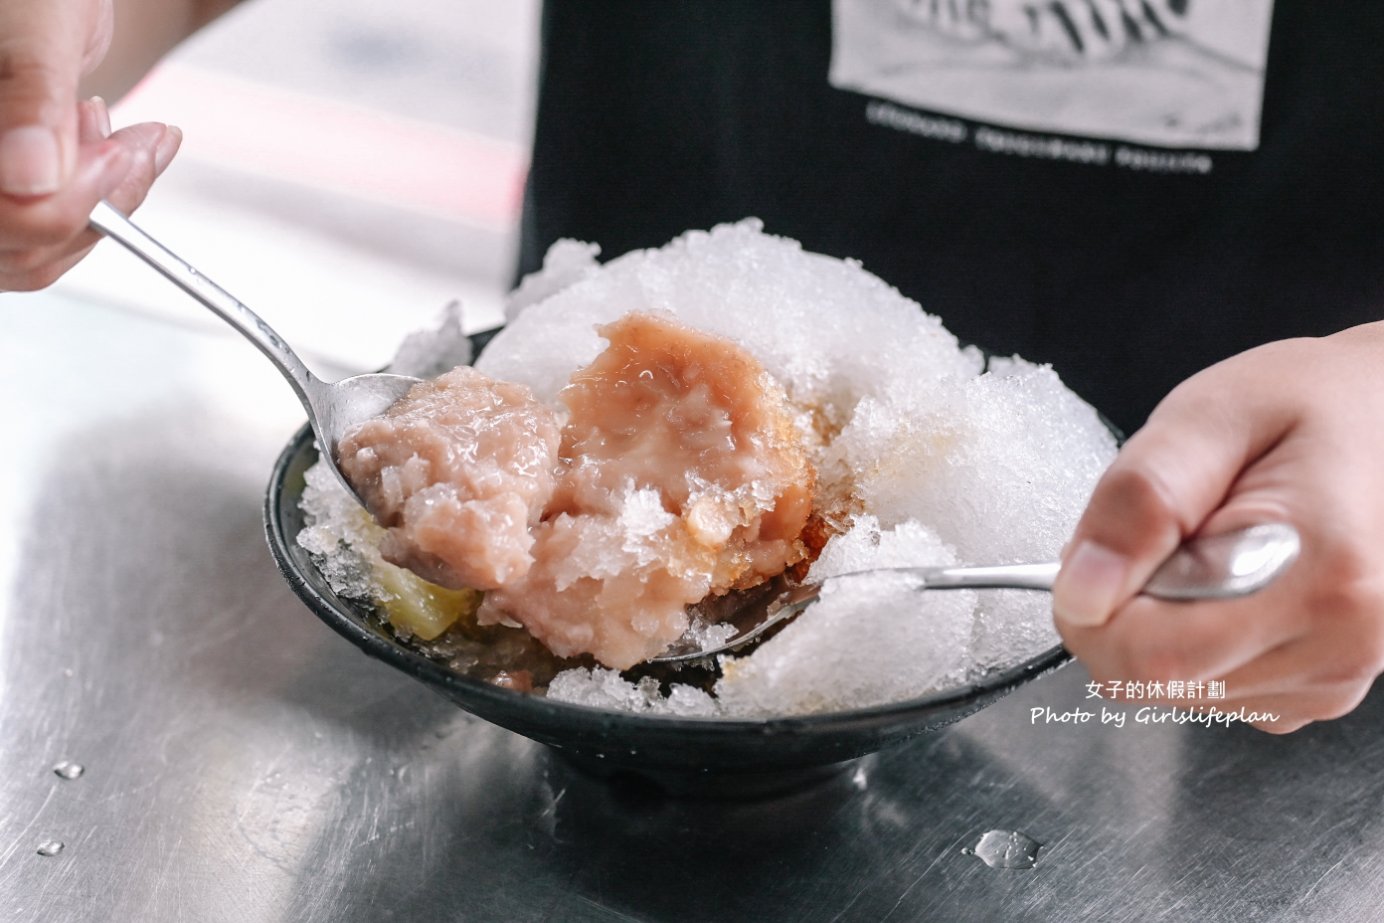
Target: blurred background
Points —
{"points": [[349, 167]]}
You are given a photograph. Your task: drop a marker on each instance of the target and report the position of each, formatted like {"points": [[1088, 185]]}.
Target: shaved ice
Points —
{"points": [[915, 451]]}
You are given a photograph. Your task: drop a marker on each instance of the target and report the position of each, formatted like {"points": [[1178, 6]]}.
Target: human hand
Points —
{"points": [[1285, 432], [58, 157]]}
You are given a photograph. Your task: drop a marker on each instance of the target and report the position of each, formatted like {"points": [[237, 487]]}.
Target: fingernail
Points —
{"points": [[30, 161], [168, 146], [1089, 584], [103, 114], [93, 121]]}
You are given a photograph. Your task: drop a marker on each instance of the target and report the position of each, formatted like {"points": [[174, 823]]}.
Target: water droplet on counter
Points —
{"points": [[69, 770], [51, 848], [1006, 849]]}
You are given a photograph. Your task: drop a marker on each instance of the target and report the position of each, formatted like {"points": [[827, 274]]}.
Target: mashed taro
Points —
{"points": [[680, 473], [457, 471]]}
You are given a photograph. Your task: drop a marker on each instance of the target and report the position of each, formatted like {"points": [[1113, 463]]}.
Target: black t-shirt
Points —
{"points": [[1130, 198]]}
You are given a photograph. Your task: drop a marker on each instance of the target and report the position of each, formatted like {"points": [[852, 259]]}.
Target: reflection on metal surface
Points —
{"points": [[246, 764], [860, 778]]}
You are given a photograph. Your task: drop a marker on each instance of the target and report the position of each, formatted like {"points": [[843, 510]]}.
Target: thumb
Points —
{"points": [[42, 47], [1165, 483]]}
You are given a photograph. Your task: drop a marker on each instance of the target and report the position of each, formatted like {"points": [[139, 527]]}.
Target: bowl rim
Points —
{"points": [[379, 644]]}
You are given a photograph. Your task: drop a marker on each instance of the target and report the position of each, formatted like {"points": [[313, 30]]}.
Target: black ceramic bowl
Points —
{"points": [[677, 753]]}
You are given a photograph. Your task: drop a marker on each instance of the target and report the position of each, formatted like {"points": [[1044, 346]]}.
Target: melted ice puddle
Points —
{"points": [[69, 770], [1006, 849]]}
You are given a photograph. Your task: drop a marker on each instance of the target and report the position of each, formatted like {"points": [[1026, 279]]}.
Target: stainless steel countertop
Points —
{"points": [[243, 763]]}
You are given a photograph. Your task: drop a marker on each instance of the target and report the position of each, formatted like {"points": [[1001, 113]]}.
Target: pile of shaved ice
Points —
{"points": [[925, 455]]}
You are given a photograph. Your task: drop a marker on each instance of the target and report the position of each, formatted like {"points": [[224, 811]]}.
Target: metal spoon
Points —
{"points": [[332, 408], [1207, 567]]}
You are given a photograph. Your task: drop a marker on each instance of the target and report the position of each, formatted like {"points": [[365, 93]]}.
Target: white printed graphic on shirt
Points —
{"points": [[1171, 73]]}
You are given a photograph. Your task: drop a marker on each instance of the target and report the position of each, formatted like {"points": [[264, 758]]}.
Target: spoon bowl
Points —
{"points": [[343, 404], [332, 407]]}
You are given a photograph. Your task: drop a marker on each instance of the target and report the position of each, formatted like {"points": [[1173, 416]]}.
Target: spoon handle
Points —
{"points": [[1207, 567], [108, 220]]}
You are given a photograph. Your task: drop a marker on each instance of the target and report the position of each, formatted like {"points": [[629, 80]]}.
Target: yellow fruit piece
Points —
{"points": [[411, 604], [421, 608]]}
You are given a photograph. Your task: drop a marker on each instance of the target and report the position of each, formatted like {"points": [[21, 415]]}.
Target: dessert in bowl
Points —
{"points": [[824, 424]]}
